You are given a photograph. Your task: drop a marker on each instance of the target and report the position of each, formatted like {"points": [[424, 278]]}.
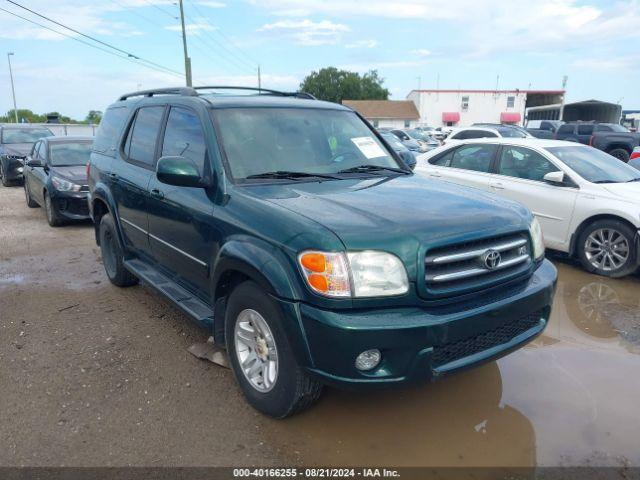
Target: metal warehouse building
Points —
{"points": [[462, 108]]}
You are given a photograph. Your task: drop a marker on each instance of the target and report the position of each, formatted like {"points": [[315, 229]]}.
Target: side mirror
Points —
{"points": [[32, 162], [408, 158], [555, 178], [179, 171]]}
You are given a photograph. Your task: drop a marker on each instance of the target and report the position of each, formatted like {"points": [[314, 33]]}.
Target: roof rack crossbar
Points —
{"points": [[185, 91], [261, 91]]}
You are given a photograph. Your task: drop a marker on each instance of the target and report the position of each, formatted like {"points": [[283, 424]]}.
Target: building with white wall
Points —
{"points": [[386, 113], [461, 108]]}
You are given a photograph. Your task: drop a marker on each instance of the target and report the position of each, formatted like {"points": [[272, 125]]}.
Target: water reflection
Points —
{"points": [[457, 421]]}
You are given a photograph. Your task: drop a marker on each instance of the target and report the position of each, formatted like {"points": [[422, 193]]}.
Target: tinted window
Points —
{"points": [[109, 130], [524, 163], [261, 140], [474, 157], [443, 160], [24, 135], [480, 134], [511, 132], [585, 129], [565, 129], [611, 127], [594, 165], [141, 141], [459, 136], [183, 137], [35, 151], [69, 154], [604, 128]]}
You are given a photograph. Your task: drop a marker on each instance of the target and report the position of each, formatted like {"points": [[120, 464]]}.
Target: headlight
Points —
{"points": [[65, 185], [537, 239], [359, 274]]}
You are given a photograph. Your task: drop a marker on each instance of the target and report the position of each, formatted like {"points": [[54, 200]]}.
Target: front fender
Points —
{"points": [[259, 260]]}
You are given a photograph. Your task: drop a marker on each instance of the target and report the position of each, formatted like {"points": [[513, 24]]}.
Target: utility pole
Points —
{"points": [[187, 60], [13, 90], [565, 78], [259, 79]]}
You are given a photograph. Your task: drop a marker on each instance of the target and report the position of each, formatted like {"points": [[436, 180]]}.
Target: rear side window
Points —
{"points": [[140, 146], [474, 157], [184, 137], [443, 160], [565, 129], [480, 134], [109, 130], [585, 129]]}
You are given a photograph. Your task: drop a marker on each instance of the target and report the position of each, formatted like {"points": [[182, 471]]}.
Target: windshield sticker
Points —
{"points": [[369, 147]]}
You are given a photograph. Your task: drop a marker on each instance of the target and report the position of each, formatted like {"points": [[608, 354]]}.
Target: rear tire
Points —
{"points": [[620, 154], [607, 248], [113, 255], [30, 202], [290, 389], [53, 217]]}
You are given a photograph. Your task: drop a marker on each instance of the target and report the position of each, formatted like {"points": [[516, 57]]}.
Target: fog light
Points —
{"points": [[368, 360]]}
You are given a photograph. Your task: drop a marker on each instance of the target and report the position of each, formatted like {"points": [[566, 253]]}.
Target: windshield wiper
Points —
{"points": [[633, 180], [287, 174], [604, 181], [372, 168]]}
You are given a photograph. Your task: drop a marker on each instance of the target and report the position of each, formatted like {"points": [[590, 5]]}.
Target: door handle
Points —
{"points": [[497, 186], [157, 194], [114, 176]]}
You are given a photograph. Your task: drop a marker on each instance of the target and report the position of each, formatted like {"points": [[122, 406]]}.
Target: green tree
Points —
{"points": [[24, 115], [334, 85], [94, 116]]}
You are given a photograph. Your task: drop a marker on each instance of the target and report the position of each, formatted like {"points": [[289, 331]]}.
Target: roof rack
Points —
{"points": [[261, 91], [193, 92], [185, 91]]}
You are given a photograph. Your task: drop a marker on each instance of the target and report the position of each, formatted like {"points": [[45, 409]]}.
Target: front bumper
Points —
{"points": [[421, 344], [71, 205], [13, 168]]}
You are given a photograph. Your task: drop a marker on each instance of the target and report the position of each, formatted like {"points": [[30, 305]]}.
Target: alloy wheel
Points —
{"points": [[607, 249], [256, 350]]}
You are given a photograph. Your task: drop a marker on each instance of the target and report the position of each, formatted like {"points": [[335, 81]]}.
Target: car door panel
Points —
{"points": [[553, 205], [469, 165], [179, 217]]}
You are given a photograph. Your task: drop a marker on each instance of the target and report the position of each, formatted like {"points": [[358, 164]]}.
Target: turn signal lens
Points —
{"points": [[326, 273]]}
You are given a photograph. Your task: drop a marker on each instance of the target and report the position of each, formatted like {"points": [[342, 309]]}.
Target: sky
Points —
{"points": [[454, 44]]}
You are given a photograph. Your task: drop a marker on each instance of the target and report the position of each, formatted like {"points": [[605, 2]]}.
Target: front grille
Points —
{"points": [[476, 265], [450, 352]]}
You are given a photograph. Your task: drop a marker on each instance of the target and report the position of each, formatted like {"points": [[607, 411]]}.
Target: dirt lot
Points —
{"points": [[94, 375]]}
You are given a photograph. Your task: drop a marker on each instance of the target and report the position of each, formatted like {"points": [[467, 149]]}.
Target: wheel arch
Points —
{"points": [[595, 218], [619, 145]]}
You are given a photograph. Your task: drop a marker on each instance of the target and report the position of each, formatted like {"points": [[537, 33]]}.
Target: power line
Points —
{"points": [[138, 14], [252, 61], [158, 7], [128, 58], [129, 54], [245, 64]]}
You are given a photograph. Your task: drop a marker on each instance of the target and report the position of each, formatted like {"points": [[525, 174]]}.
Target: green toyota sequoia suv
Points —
{"points": [[291, 231]]}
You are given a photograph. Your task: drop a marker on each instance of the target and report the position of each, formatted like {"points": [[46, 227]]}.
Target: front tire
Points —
{"points": [[607, 248], [620, 154], [113, 255], [261, 357], [53, 217], [5, 182]]}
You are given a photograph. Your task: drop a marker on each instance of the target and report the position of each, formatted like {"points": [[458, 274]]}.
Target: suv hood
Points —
{"points": [[386, 212], [76, 174], [21, 149]]}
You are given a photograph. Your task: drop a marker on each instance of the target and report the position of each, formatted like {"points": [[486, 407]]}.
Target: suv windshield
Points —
{"points": [[69, 154], [594, 165], [259, 141], [24, 135]]}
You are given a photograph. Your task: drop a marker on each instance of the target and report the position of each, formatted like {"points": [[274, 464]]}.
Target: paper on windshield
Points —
{"points": [[369, 147]]}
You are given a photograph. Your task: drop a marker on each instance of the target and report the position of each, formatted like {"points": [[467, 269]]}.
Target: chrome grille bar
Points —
{"points": [[472, 272], [470, 254]]}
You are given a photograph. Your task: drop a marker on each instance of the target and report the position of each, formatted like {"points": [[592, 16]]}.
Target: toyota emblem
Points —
{"points": [[491, 259]]}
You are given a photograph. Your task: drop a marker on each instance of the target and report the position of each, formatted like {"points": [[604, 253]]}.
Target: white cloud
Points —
{"points": [[607, 63], [307, 32], [362, 44], [364, 67], [421, 52]]}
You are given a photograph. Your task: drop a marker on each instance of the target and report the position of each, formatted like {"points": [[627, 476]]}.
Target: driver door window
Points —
{"points": [[524, 163], [184, 137]]}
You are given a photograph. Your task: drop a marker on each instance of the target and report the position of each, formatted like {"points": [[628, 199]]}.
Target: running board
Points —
{"points": [[187, 302]]}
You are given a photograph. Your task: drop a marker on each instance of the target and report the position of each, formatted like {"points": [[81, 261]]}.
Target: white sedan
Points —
{"points": [[587, 202]]}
